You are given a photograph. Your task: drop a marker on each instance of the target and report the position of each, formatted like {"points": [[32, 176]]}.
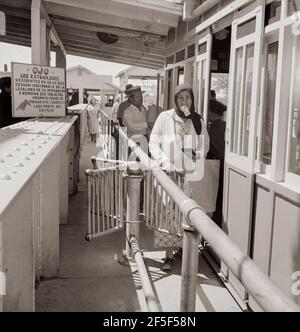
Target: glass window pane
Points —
{"points": [[180, 75], [269, 103], [236, 99], [247, 101], [294, 162], [293, 6], [246, 28], [202, 48], [272, 12]]}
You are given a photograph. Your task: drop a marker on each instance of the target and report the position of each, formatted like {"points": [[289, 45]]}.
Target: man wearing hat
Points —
{"points": [[122, 107], [135, 115]]}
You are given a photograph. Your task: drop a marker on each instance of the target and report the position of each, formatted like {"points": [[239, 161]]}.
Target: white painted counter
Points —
{"points": [[34, 187]]}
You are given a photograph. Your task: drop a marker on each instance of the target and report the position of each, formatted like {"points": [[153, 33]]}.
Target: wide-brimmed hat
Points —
{"points": [[127, 87], [134, 90]]}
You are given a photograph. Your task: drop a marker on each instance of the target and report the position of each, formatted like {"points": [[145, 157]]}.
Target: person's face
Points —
{"points": [[137, 99], [184, 98]]}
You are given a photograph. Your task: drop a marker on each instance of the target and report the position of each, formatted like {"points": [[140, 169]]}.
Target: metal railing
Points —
{"points": [[169, 204]]}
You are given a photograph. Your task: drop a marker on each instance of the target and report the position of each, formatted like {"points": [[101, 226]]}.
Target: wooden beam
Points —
{"points": [[109, 56], [102, 58], [15, 40], [15, 13], [160, 41], [124, 44], [159, 5], [99, 50], [188, 8], [120, 10], [90, 16]]}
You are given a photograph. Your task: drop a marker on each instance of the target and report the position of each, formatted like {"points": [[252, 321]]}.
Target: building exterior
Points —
{"points": [[83, 83], [145, 77]]}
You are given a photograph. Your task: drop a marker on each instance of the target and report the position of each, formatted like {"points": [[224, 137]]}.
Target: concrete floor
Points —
{"points": [[91, 279]]}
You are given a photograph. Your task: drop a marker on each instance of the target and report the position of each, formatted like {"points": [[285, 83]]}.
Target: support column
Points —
{"points": [[134, 178], [189, 268], [40, 40], [60, 58]]}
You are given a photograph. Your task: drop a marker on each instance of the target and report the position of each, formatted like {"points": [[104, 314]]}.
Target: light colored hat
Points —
{"points": [[134, 90]]}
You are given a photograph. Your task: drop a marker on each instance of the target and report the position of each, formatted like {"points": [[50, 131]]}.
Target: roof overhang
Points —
{"points": [[135, 30]]}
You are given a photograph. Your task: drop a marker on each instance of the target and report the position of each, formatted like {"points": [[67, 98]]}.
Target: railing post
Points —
{"points": [[189, 268], [134, 177]]}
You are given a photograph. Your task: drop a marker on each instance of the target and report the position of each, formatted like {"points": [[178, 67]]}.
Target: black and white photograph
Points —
{"points": [[149, 159]]}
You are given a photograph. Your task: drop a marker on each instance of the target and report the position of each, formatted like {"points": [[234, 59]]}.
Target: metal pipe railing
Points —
{"points": [[259, 285], [150, 297]]}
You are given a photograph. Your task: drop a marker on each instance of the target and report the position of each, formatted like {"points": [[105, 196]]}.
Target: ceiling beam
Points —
{"points": [[123, 43], [95, 43], [13, 12], [99, 50], [159, 5], [79, 27], [110, 56], [15, 40], [95, 17], [120, 10], [102, 58]]}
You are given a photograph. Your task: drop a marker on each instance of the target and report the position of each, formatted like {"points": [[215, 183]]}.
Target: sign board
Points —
{"points": [[38, 91]]}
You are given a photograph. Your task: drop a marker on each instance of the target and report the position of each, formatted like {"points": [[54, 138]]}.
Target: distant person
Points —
{"points": [[6, 118], [114, 111], [216, 127], [122, 107], [216, 131], [93, 112], [135, 114]]}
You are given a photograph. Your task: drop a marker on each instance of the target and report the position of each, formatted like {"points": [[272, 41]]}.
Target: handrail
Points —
{"points": [[260, 286], [257, 283]]}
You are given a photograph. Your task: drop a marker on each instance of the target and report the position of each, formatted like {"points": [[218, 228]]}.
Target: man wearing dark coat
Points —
{"points": [[216, 131]]}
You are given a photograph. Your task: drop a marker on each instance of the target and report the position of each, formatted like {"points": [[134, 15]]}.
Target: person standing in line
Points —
{"points": [[114, 110], [216, 131], [135, 114], [93, 113], [166, 146], [122, 107]]}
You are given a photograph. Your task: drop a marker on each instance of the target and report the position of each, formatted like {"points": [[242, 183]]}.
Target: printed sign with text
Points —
{"points": [[38, 91]]}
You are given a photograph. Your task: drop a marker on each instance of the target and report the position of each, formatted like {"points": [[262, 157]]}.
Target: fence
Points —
{"points": [[173, 211]]}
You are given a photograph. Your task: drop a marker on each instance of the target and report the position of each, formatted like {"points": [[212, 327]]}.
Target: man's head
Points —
{"points": [[127, 87], [5, 84], [212, 94], [135, 96], [216, 110]]}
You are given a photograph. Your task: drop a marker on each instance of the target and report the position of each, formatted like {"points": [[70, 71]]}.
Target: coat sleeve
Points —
{"points": [[156, 142]]}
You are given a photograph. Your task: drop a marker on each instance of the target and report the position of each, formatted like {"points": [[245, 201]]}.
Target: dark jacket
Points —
{"points": [[216, 131], [121, 109]]}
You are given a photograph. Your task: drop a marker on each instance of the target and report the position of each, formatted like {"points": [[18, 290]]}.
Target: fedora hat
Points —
{"points": [[127, 87], [134, 90]]}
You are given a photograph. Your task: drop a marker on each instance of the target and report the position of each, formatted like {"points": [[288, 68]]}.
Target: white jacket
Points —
{"points": [[165, 144]]}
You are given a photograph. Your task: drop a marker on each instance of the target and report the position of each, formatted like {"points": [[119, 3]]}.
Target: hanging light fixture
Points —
{"points": [[222, 34]]}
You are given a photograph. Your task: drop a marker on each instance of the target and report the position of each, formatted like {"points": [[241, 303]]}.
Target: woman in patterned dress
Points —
{"points": [[173, 131]]}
